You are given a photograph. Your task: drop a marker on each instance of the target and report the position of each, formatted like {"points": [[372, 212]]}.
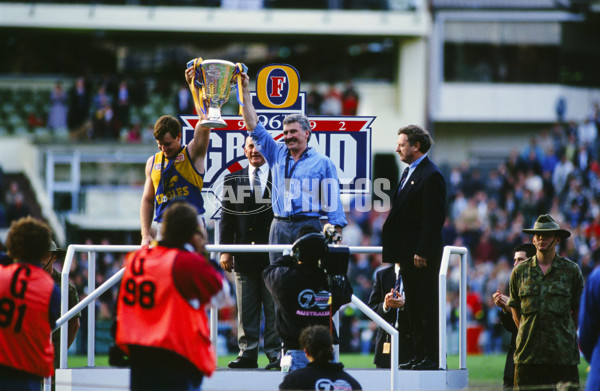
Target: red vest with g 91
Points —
{"points": [[25, 331]]}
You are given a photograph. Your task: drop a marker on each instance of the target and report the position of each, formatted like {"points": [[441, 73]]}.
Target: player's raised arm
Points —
{"points": [[199, 144]]}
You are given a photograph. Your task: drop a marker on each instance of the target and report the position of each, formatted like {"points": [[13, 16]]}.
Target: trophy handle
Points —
{"points": [[198, 81], [196, 63], [239, 69]]}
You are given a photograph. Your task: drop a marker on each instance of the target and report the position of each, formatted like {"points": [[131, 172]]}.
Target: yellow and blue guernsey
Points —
{"points": [[177, 178]]}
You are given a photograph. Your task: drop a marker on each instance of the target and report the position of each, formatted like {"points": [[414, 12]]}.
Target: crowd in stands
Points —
{"points": [[12, 202], [558, 173], [100, 110], [111, 109]]}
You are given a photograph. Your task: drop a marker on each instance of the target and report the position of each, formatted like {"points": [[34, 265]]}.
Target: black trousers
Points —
{"points": [[546, 377], [509, 369], [421, 289]]}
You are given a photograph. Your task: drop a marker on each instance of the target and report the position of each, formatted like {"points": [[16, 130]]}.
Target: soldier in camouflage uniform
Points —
{"points": [[544, 299], [54, 254]]}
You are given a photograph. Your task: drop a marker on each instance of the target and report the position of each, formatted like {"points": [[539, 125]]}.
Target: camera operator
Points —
{"points": [[308, 287]]}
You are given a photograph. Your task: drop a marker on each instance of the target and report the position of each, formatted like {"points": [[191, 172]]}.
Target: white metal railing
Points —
{"points": [[66, 314], [394, 340], [63, 321], [462, 354]]}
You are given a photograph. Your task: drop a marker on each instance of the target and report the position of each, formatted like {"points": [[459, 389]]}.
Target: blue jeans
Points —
{"points": [[20, 385], [12, 379], [299, 359], [285, 232]]}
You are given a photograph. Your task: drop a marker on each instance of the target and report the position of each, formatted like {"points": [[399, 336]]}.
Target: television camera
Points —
{"points": [[322, 249]]}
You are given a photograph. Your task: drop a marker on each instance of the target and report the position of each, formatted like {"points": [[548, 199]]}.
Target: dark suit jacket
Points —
{"points": [[244, 221], [385, 279], [188, 108], [414, 224], [79, 107]]}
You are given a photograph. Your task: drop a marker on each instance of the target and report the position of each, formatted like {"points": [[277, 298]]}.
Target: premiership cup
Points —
{"points": [[215, 79]]}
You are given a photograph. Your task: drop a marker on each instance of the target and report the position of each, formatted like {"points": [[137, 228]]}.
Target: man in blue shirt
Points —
{"points": [[305, 182]]}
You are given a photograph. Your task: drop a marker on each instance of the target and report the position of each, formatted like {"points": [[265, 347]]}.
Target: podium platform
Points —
{"points": [[225, 379], [94, 379]]}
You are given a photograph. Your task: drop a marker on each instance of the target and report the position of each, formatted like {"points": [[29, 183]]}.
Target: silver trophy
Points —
{"points": [[215, 79]]}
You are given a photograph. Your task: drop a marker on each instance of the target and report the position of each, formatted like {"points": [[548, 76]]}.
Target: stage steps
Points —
{"points": [[96, 379]]}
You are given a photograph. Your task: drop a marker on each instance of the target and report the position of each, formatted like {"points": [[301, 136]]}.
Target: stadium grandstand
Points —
{"points": [[509, 89]]}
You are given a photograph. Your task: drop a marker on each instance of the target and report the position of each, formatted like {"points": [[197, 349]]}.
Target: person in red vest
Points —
{"points": [[161, 319], [29, 308]]}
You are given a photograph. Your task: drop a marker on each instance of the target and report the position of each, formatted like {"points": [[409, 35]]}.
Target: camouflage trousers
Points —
{"points": [[546, 377]]}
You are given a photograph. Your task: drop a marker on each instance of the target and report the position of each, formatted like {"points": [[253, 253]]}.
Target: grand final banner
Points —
{"points": [[346, 140]]}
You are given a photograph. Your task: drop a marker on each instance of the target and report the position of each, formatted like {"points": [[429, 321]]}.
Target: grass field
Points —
{"points": [[485, 371]]}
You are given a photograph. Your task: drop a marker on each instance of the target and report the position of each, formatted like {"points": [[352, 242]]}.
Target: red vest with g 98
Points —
{"points": [[151, 312]]}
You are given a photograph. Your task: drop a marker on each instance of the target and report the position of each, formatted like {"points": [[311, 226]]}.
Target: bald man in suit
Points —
{"points": [[412, 237], [246, 219]]}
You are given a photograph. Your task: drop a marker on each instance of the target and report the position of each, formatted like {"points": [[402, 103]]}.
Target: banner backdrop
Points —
{"points": [[346, 140]]}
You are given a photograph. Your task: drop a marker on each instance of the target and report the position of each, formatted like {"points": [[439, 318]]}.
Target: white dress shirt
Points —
{"points": [[263, 175]]}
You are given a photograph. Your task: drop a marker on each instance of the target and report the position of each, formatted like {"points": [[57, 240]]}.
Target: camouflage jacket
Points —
{"points": [[547, 332], [73, 295], [73, 300]]}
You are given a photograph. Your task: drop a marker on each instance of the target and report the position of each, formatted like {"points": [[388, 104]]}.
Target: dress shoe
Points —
{"points": [[243, 362], [274, 363], [426, 365], [408, 365]]}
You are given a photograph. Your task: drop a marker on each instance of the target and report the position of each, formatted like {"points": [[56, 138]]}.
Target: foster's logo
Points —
{"points": [[277, 86]]}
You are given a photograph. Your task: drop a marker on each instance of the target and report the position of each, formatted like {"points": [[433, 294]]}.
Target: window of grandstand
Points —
{"points": [[501, 63], [162, 56], [512, 52], [257, 4]]}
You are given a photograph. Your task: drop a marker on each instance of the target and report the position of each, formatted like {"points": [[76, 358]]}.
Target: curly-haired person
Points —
{"points": [[320, 373]]}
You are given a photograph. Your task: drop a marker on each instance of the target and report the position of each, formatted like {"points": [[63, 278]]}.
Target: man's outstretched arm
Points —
{"points": [[248, 111], [199, 144]]}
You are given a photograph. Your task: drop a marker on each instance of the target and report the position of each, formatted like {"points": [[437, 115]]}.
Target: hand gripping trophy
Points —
{"points": [[215, 79]]}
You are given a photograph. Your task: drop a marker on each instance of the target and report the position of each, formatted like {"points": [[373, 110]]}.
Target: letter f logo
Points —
{"points": [[277, 85]]}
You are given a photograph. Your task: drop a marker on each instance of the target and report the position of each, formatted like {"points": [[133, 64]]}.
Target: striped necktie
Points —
{"points": [[256, 181], [403, 178], [398, 288]]}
